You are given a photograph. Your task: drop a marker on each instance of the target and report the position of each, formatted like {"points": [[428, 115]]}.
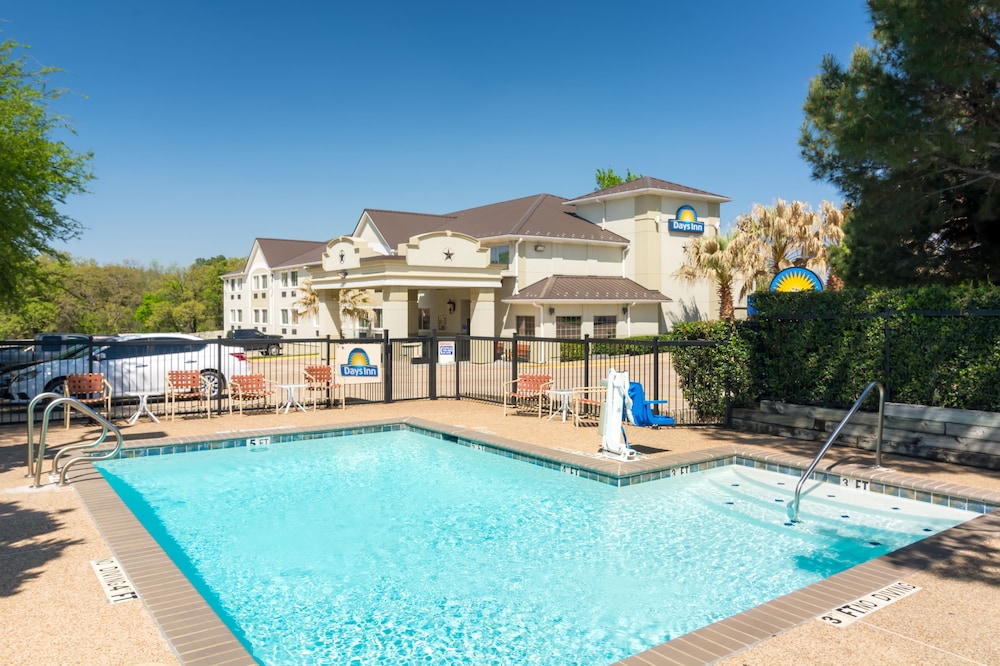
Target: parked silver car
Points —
{"points": [[135, 363]]}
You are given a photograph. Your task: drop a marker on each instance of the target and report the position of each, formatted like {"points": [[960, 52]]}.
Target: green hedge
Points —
{"points": [[929, 346], [712, 375]]}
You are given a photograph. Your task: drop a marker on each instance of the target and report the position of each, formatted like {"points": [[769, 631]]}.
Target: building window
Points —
{"points": [[263, 282], [295, 318], [377, 312], [525, 325], [569, 327], [239, 316], [294, 278], [263, 316], [284, 279], [256, 316], [284, 317], [605, 326], [500, 254]]}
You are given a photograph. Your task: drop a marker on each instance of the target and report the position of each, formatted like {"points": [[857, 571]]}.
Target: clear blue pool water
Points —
{"points": [[401, 548]]}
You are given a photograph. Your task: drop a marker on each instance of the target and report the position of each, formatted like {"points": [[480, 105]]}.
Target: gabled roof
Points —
{"points": [[578, 288], [648, 185], [538, 216], [398, 227], [280, 253]]}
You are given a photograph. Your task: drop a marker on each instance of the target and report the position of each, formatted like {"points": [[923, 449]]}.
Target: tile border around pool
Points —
{"points": [[613, 472], [198, 636]]}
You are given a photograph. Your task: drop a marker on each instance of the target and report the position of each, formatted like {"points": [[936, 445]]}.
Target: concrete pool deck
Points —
{"points": [[54, 611]]}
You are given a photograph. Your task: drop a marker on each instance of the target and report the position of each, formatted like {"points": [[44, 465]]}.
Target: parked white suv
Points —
{"points": [[135, 363]]}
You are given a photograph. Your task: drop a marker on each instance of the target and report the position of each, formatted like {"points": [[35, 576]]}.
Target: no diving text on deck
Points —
{"points": [[848, 613]]}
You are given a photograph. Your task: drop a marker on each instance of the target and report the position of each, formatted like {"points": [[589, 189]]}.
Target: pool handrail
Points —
{"points": [[793, 508], [36, 461]]}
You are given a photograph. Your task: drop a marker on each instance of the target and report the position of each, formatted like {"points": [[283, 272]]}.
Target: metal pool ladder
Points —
{"points": [[793, 508], [35, 462]]}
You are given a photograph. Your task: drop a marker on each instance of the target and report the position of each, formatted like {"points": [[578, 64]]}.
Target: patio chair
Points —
{"points": [[640, 413], [319, 379], [89, 388], [184, 385], [525, 391], [248, 389], [586, 403]]}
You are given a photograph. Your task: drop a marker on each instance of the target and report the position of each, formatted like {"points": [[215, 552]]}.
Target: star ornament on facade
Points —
{"points": [[448, 254]]}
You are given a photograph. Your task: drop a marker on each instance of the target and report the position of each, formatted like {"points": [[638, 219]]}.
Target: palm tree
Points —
{"points": [[785, 235], [308, 302], [717, 258], [354, 304]]}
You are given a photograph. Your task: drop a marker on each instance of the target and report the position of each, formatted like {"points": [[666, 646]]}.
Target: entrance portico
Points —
{"points": [[441, 280]]}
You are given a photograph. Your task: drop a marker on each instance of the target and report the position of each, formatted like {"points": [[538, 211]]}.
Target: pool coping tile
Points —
{"points": [[197, 635]]}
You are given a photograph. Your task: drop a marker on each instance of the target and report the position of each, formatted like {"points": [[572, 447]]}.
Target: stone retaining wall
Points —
{"points": [[936, 433]]}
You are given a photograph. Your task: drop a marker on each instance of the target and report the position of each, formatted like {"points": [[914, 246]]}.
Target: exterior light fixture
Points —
{"points": [[343, 274], [625, 310], [451, 306], [539, 248], [552, 311]]}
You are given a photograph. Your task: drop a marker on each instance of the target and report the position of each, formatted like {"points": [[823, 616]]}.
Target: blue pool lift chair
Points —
{"points": [[640, 414]]}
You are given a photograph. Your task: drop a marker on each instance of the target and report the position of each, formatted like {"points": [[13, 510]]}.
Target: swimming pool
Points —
{"points": [[567, 571]]}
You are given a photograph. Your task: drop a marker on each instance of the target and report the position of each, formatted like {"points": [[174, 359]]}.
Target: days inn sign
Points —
{"points": [[687, 220]]}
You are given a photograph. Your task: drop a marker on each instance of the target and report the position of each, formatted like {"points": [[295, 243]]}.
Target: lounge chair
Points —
{"points": [[640, 413], [614, 443], [90, 388], [526, 391], [183, 385]]}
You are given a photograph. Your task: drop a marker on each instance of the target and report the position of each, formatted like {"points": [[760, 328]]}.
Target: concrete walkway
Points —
{"points": [[54, 612]]}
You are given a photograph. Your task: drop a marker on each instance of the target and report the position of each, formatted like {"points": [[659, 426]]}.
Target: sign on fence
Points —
{"points": [[446, 351], [359, 364]]}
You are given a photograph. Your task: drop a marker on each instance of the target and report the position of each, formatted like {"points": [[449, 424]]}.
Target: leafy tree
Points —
{"points": [[36, 309], [910, 133], [37, 173], [609, 178], [97, 299], [717, 258]]}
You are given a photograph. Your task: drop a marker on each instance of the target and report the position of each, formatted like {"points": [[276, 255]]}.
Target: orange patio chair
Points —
{"points": [[586, 402], [187, 385], [248, 389], [319, 379], [526, 391], [91, 389]]}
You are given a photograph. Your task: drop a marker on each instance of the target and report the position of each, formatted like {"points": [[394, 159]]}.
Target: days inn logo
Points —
{"points": [[687, 220], [358, 365]]}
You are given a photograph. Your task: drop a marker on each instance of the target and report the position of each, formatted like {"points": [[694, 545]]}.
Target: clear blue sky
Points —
{"points": [[214, 122]]}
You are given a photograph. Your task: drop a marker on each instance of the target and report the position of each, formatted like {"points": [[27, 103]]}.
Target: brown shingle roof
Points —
{"points": [[279, 252], [397, 227], [538, 216], [648, 183], [587, 288]]}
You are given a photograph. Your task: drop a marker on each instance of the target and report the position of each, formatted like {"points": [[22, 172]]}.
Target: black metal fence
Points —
{"points": [[454, 367]]}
